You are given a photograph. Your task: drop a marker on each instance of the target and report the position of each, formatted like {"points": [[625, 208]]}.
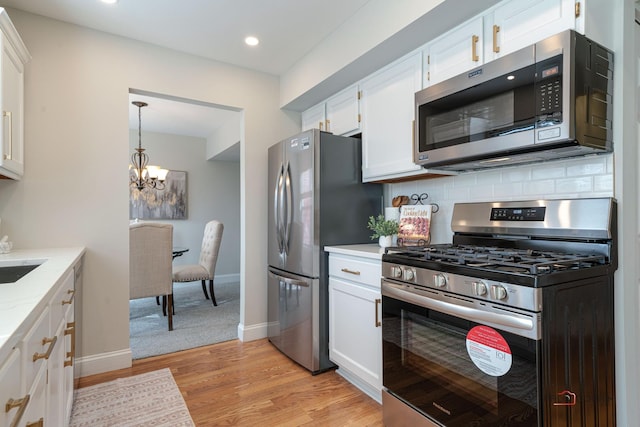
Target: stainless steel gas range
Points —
{"points": [[509, 325]]}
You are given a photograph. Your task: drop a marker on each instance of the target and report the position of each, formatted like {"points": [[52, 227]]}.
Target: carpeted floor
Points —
{"points": [[152, 399], [196, 321]]}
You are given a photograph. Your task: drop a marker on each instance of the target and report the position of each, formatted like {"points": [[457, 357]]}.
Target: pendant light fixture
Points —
{"points": [[143, 176]]}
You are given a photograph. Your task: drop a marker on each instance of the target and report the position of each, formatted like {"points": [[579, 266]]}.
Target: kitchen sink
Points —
{"points": [[13, 273]]}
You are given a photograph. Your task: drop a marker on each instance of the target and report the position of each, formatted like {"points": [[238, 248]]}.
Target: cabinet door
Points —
{"points": [[11, 97], [355, 336], [520, 23], [314, 118], [343, 115], [386, 106], [457, 51], [11, 390]]}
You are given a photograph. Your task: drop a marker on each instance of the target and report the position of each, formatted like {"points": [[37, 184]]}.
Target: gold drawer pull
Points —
{"points": [[378, 322], [71, 330], [39, 423], [72, 292], [346, 270], [21, 404], [496, 30], [52, 343], [474, 53]]}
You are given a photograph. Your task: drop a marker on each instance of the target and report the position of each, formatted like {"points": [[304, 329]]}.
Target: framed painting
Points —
{"points": [[168, 203]]}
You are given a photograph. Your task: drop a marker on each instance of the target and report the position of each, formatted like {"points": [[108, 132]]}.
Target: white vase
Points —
{"points": [[385, 241]]}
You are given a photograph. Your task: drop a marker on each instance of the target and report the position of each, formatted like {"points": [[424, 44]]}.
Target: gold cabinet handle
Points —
{"points": [[320, 125], [496, 30], [474, 53], [39, 423], [346, 270], [328, 125], [52, 343], [71, 330], [8, 114], [378, 322], [21, 404], [72, 292]]}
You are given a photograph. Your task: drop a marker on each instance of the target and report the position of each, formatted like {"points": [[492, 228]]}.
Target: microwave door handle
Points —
{"points": [[289, 208]]}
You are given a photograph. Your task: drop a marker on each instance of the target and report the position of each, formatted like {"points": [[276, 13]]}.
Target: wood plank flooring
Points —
{"points": [[253, 384]]}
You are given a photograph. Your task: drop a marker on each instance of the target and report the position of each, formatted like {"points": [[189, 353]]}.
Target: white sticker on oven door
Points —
{"points": [[489, 351]]}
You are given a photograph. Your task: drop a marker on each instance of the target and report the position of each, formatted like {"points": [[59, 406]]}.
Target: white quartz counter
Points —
{"points": [[373, 250], [22, 300]]}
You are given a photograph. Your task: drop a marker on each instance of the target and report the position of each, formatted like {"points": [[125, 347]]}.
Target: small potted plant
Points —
{"points": [[383, 229]]}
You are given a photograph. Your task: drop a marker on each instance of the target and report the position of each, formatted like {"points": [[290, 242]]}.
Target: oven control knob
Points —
{"points": [[498, 292], [396, 272], [439, 280], [479, 288], [409, 274]]}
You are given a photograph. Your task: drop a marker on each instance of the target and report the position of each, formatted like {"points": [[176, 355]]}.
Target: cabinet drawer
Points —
{"points": [[35, 345], [360, 270], [62, 300]]}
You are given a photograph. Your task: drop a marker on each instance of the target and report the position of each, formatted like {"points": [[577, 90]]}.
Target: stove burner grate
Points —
{"points": [[524, 261]]}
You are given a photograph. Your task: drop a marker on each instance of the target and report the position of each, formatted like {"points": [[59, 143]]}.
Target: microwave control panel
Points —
{"points": [[548, 89]]}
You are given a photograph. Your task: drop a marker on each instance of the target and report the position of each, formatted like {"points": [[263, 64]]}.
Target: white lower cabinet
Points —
{"points": [[37, 377], [355, 333]]}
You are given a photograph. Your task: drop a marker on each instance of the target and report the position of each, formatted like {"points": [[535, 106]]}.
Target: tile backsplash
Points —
{"points": [[582, 177]]}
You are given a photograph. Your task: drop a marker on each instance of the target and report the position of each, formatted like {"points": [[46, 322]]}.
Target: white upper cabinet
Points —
{"points": [[13, 56], [515, 24], [339, 114], [387, 106], [458, 50], [314, 117], [343, 112]]}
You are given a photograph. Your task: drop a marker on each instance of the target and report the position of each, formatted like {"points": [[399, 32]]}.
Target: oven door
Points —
{"points": [[456, 370]]}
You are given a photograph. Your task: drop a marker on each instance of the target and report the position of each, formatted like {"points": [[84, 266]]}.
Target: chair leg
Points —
{"points": [[204, 289], [164, 305], [157, 300], [170, 317], [213, 296]]}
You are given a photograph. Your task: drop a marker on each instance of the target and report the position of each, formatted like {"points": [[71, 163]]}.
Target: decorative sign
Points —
{"points": [[489, 351]]}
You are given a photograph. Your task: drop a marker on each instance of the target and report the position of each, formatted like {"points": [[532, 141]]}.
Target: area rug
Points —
{"points": [[151, 399], [196, 321]]}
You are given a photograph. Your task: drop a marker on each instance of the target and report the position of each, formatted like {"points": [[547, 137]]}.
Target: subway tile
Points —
{"points": [[603, 183], [591, 166], [546, 186], [574, 185], [548, 170]]}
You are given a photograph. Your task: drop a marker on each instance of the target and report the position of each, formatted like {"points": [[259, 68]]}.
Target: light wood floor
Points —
{"points": [[253, 384]]}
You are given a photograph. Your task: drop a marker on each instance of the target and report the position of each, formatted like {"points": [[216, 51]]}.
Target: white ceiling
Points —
{"points": [[214, 29]]}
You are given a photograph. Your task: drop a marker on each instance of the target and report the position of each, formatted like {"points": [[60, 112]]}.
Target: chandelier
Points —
{"points": [[143, 176]]}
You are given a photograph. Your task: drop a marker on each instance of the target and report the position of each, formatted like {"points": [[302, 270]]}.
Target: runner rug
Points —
{"points": [[151, 399]]}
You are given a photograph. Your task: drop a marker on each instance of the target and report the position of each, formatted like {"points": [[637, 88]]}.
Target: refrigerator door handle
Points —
{"points": [[289, 209], [288, 280], [277, 207]]}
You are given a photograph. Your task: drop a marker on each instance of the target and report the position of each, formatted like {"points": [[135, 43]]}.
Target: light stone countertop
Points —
{"points": [[22, 301], [372, 250]]}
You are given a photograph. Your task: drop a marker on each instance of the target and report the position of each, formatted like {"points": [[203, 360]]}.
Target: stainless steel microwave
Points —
{"points": [[547, 101]]}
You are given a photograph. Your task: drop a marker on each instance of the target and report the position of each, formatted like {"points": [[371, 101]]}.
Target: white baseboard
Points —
{"points": [[103, 362], [227, 278], [252, 332]]}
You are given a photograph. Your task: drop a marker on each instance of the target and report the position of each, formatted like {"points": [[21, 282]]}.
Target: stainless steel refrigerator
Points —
{"points": [[316, 199]]}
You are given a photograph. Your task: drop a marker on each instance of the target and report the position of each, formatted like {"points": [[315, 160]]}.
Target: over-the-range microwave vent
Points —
{"points": [[548, 101], [521, 158]]}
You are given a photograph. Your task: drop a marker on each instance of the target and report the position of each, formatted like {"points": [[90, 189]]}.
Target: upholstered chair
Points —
{"points": [[150, 258], [206, 267]]}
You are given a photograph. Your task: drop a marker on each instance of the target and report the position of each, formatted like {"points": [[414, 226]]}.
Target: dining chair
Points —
{"points": [[150, 258], [206, 267]]}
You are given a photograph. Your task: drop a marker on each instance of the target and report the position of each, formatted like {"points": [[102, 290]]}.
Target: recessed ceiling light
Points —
{"points": [[251, 41], [109, 1]]}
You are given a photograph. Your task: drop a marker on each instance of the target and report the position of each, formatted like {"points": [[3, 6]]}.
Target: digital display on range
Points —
{"points": [[518, 214]]}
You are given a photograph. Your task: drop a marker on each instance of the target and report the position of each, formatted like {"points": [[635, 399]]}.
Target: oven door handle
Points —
{"points": [[402, 293]]}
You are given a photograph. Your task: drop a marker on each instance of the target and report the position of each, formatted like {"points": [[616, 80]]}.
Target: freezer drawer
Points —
{"points": [[293, 317]]}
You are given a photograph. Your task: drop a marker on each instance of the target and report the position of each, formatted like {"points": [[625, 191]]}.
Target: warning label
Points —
{"points": [[489, 351]]}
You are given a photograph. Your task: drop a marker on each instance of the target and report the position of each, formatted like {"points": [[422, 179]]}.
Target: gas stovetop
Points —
{"points": [[493, 258]]}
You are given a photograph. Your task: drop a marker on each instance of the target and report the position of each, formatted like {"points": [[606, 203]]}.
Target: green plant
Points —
{"points": [[381, 226]]}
